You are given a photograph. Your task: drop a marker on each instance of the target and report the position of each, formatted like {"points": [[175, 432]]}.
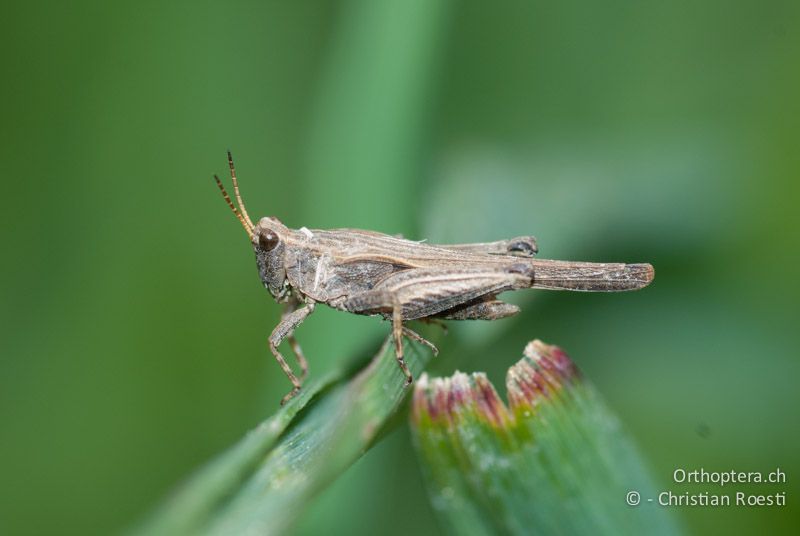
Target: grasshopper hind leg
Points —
{"points": [[488, 308], [521, 246], [437, 292]]}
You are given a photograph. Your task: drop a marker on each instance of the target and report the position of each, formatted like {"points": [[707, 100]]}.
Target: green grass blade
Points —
{"points": [[554, 461], [264, 483]]}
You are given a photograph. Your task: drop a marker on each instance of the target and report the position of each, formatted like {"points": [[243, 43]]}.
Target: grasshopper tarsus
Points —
{"points": [[371, 273], [404, 368], [290, 395]]}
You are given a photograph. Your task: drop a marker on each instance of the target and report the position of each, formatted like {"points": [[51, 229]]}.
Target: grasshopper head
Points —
{"points": [[269, 243], [267, 237]]}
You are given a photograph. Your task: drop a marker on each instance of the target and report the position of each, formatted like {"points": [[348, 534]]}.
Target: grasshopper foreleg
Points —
{"points": [[298, 354], [291, 307], [284, 330]]}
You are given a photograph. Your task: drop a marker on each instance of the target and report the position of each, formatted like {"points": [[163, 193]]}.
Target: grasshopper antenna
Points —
{"points": [[239, 201], [247, 228]]}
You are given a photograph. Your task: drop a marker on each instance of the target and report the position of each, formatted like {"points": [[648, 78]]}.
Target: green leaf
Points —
{"points": [[583, 197], [263, 484], [554, 461]]}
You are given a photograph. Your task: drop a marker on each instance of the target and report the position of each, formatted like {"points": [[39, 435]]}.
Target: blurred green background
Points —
{"points": [[133, 342]]}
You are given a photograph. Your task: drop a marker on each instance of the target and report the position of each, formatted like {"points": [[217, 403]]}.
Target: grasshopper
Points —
{"points": [[371, 273]]}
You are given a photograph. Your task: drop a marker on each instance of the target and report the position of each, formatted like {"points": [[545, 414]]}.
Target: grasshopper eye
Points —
{"points": [[268, 241]]}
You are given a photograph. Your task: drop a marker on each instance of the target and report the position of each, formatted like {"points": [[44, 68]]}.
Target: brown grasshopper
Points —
{"points": [[371, 273]]}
